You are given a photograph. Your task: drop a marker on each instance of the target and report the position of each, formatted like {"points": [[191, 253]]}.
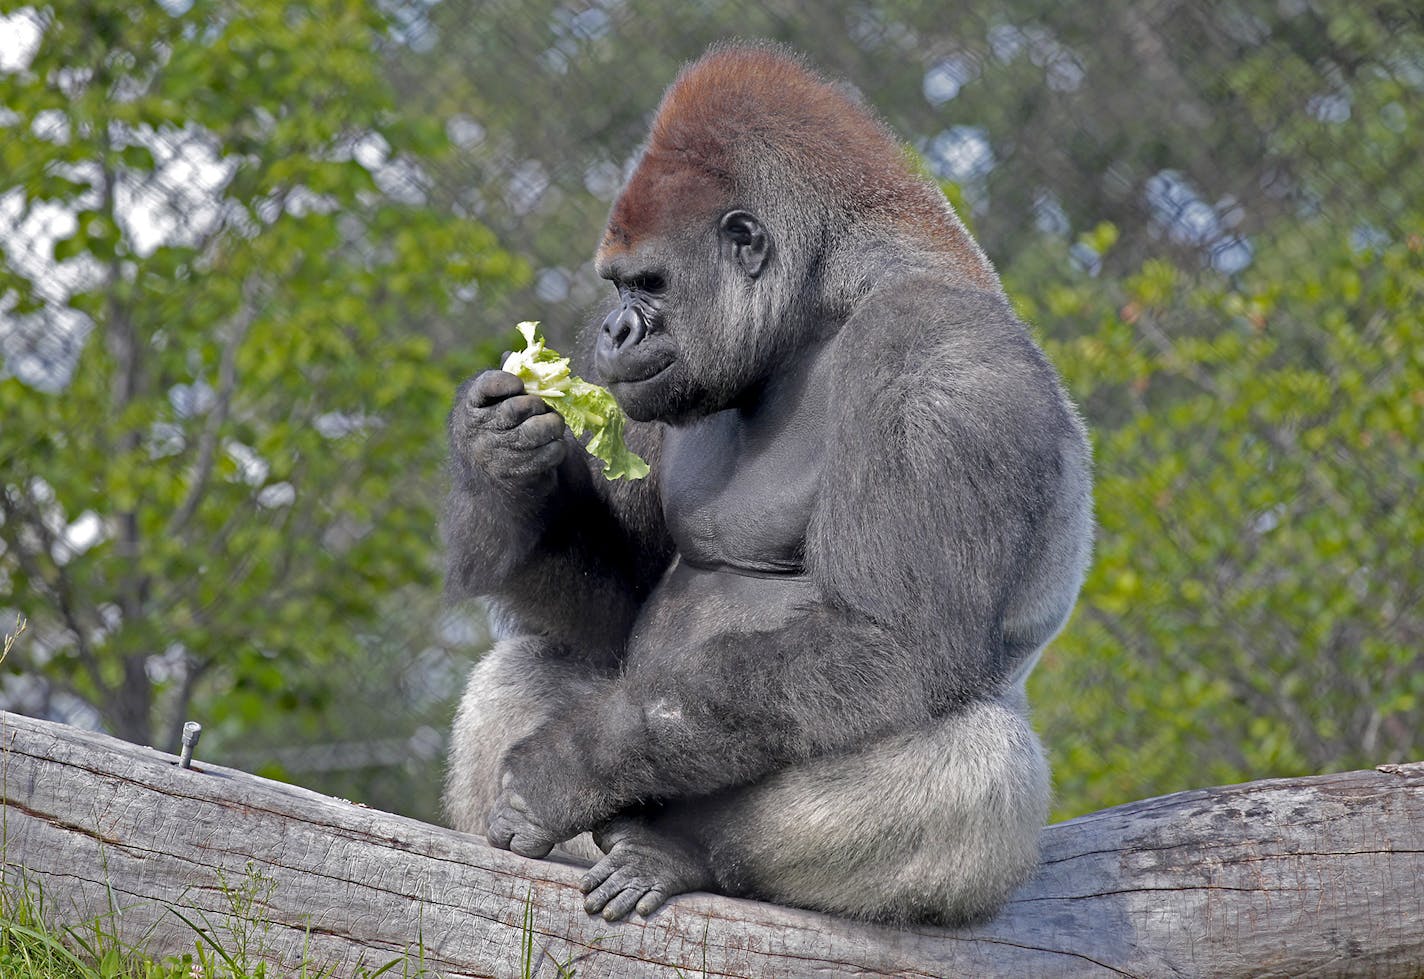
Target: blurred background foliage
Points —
{"points": [[251, 246]]}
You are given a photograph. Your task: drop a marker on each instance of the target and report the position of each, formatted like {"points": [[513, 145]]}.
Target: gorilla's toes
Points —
{"points": [[641, 870]]}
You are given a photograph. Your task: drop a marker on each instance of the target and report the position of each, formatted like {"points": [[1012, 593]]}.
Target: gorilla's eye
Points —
{"points": [[647, 282]]}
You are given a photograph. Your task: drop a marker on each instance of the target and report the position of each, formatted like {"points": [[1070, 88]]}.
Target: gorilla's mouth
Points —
{"points": [[634, 382], [619, 373]]}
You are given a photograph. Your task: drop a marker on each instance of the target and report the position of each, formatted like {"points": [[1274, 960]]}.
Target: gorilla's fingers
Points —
{"points": [[510, 412], [539, 430], [507, 819], [536, 462], [499, 833], [532, 843], [641, 870], [492, 386], [601, 872], [510, 828], [651, 901]]}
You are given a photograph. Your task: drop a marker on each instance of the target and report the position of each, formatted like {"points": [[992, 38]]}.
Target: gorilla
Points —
{"points": [[790, 663]]}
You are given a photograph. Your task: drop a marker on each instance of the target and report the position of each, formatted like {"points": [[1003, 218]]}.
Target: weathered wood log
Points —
{"points": [[1289, 877]]}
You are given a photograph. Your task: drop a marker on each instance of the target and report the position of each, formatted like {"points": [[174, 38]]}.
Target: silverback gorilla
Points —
{"points": [[789, 664]]}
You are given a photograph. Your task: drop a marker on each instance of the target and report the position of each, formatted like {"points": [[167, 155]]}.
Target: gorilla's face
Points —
{"points": [[637, 356], [683, 339]]}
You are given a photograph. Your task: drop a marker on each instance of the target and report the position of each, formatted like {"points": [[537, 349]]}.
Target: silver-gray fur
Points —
{"points": [[791, 663]]}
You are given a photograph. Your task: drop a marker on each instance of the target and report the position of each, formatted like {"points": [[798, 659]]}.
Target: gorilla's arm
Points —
{"points": [[943, 446], [737, 706], [981, 466], [529, 524]]}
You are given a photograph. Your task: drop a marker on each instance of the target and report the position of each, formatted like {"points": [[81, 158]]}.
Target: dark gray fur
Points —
{"points": [[790, 663]]}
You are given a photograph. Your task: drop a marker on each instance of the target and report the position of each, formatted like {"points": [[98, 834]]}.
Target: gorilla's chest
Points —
{"points": [[739, 486]]}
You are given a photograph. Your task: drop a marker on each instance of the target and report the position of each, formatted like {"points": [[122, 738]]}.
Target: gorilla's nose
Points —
{"points": [[624, 328]]}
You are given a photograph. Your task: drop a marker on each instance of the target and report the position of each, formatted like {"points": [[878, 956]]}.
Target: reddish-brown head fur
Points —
{"points": [[739, 101]]}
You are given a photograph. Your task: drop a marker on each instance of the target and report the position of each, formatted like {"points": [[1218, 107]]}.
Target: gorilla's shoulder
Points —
{"points": [[922, 318], [955, 364], [928, 290]]}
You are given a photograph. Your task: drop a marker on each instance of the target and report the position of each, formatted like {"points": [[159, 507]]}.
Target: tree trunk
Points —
{"points": [[1288, 877]]}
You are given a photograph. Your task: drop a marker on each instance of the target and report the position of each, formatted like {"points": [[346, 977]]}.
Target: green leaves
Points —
{"points": [[1253, 604], [587, 408], [251, 414]]}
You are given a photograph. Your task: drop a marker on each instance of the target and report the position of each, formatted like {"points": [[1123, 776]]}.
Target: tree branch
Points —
{"points": [[1288, 877], [217, 417]]}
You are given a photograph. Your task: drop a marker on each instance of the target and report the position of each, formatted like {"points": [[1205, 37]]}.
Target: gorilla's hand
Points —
{"points": [[548, 794], [511, 827], [513, 439]]}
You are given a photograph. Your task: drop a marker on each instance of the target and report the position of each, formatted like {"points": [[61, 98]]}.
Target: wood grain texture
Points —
{"points": [[1316, 876]]}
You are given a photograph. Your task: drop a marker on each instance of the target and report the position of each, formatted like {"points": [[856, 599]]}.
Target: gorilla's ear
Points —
{"points": [[745, 241]]}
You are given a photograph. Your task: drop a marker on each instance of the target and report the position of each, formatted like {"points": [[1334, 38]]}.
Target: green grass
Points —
{"points": [[34, 946]]}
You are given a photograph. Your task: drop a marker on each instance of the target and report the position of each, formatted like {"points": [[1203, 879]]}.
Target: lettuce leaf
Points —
{"points": [[586, 408]]}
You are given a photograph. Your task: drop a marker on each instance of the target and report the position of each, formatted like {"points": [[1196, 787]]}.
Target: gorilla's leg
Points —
{"points": [[516, 687], [936, 825]]}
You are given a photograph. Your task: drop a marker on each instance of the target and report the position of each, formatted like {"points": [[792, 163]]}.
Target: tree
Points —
{"points": [[1256, 604], [1255, 600], [221, 416]]}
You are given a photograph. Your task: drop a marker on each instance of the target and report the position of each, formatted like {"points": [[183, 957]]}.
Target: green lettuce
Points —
{"points": [[586, 408]]}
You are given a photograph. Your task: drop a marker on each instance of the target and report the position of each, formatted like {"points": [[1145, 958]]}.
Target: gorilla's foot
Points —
{"points": [[641, 869]]}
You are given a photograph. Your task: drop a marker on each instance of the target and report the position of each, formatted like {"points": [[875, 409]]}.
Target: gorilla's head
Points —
{"points": [[763, 202], [692, 327]]}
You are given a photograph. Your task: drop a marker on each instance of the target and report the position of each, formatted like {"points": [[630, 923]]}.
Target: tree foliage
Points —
{"points": [[224, 211], [1255, 602]]}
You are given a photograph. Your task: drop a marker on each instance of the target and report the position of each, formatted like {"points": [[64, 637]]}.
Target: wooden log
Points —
{"points": [[1318, 876]]}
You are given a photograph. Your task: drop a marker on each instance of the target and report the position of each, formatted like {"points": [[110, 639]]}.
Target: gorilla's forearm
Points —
{"points": [[566, 567], [486, 539], [746, 705]]}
